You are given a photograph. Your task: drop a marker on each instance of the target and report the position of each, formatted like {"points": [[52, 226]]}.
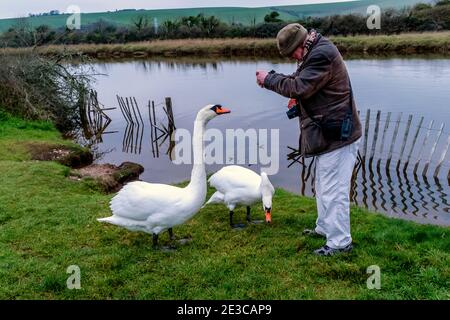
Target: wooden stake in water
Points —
{"points": [[383, 139], [375, 135], [433, 149], [386, 127], [155, 128], [442, 158], [394, 138], [151, 126], [120, 106], [128, 118], [405, 139], [366, 133], [139, 112], [131, 106], [425, 140], [413, 144], [169, 112]]}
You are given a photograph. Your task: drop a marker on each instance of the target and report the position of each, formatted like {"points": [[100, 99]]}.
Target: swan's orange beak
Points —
{"points": [[222, 110], [268, 217]]}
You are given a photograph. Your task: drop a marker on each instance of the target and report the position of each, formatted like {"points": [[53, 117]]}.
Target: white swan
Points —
{"points": [[236, 185], [154, 208]]}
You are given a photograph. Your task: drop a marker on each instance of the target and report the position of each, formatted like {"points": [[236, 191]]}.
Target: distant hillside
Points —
{"points": [[226, 14]]}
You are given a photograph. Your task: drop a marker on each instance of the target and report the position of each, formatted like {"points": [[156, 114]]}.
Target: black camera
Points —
{"points": [[293, 112], [347, 128]]}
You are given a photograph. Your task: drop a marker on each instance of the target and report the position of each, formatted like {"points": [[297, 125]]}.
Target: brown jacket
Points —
{"points": [[322, 86]]}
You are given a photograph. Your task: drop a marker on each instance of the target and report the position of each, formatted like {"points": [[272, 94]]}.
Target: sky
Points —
{"points": [[21, 8]]}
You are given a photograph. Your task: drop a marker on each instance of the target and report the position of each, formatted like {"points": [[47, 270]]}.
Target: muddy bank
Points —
{"points": [[108, 177], [70, 156]]}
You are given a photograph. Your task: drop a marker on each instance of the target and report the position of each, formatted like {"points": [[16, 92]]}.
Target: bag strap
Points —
{"points": [[350, 113]]}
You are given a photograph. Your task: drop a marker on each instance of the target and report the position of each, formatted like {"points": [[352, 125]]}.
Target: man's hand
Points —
{"points": [[260, 77]]}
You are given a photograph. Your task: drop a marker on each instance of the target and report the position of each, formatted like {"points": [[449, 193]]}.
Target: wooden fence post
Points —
{"points": [[441, 159], [366, 133], [413, 144], [425, 140], [433, 149], [405, 139], [391, 150], [386, 127], [139, 112], [375, 135]]}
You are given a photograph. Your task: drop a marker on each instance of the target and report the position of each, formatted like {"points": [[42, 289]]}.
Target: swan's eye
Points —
{"points": [[219, 109], [216, 107]]}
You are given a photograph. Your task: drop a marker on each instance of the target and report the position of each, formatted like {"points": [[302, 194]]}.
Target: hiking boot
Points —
{"points": [[327, 251], [312, 233]]}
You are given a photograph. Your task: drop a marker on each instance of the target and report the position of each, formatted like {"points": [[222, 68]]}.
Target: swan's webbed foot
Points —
{"points": [[172, 246], [181, 241], [156, 246], [249, 218], [237, 226]]}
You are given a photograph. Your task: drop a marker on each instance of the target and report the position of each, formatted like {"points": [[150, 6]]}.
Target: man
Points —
{"points": [[330, 126]]}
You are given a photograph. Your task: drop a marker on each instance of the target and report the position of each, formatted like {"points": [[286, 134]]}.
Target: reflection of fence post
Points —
{"points": [[433, 149], [394, 138], [441, 159], [405, 139], [425, 140]]}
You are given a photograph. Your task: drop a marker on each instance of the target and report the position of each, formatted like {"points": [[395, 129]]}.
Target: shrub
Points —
{"points": [[43, 88]]}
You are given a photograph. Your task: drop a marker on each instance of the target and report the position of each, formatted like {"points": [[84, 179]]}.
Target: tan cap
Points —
{"points": [[290, 38]]}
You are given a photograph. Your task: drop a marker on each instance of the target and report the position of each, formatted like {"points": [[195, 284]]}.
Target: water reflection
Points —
{"points": [[393, 189], [395, 195]]}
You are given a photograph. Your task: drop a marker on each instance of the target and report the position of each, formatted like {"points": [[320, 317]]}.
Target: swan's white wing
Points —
{"points": [[139, 200], [233, 178]]}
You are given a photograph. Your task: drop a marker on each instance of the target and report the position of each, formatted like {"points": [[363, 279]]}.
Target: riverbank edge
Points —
{"points": [[404, 44], [292, 211]]}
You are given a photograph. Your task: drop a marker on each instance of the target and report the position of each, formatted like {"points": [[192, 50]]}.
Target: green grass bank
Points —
{"points": [[48, 222], [405, 44]]}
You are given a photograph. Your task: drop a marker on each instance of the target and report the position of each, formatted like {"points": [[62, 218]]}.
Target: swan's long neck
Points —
{"points": [[198, 175]]}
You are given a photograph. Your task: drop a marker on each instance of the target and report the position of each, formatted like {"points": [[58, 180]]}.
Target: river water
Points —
{"points": [[402, 87]]}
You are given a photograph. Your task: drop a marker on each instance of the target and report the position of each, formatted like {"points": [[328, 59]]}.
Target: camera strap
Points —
{"points": [[350, 112]]}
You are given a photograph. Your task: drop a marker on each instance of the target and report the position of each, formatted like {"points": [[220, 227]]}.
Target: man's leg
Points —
{"points": [[321, 209], [334, 170]]}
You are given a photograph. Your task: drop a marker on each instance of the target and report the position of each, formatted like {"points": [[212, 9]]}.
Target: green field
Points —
{"points": [[48, 222], [226, 14]]}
